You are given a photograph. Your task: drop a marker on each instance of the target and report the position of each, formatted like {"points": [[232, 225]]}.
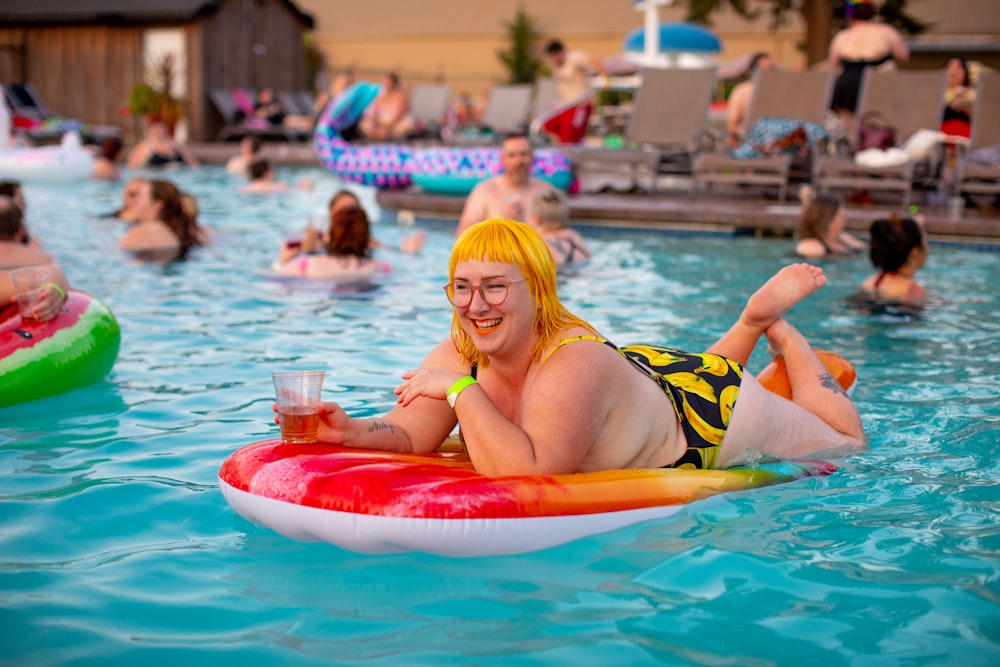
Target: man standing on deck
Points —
{"points": [[509, 194], [570, 70]]}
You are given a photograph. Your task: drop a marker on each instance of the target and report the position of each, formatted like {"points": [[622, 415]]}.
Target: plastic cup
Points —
{"points": [[28, 284], [955, 206], [298, 396]]}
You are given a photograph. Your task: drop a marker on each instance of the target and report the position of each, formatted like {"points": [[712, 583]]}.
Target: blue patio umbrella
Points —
{"points": [[675, 38]]}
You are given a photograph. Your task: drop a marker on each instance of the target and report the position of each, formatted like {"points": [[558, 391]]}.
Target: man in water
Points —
{"points": [[509, 194]]}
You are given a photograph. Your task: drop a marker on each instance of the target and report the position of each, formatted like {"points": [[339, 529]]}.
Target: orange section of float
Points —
{"points": [[774, 376]]}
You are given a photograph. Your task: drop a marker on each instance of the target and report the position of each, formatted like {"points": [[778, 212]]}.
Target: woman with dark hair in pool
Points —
{"points": [[107, 164], [821, 231], [164, 229], [898, 249]]}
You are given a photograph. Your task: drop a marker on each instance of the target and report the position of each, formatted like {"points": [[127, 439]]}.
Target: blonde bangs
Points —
{"points": [[511, 242]]}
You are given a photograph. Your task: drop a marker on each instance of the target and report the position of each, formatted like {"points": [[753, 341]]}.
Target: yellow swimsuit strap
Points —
{"points": [[573, 339]]}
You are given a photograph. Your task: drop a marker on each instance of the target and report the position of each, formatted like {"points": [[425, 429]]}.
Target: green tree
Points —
{"points": [[822, 18], [519, 58]]}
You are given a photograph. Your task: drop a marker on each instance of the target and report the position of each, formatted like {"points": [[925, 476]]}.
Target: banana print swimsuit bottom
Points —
{"points": [[702, 388]]}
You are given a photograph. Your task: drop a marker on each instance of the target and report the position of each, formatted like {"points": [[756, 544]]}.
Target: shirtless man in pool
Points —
{"points": [[508, 195], [537, 390]]}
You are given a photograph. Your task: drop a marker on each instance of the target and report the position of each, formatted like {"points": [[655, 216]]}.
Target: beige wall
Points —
{"points": [[457, 41]]}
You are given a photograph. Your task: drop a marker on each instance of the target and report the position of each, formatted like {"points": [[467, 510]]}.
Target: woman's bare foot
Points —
{"points": [[777, 296]]}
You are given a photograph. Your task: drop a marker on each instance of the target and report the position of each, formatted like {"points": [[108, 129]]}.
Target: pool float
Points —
{"points": [[346, 110], [75, 349], [384, 166], [381, 502], [65, 162], [443, 170], [455, 171]]}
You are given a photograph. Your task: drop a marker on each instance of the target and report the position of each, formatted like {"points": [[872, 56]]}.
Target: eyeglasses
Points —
{"points": [[493, 291]]}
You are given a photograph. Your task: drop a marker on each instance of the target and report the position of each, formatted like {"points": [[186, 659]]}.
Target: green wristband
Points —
{"points": [[459, 387], [59, 290]]}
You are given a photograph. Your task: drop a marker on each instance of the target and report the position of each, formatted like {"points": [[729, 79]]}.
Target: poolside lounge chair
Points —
{"points": [[307, 101], [666, 128], [802, 96], [28, 108], [238, 121], [908, 101], [543, 102], [292, 105], [506, 112], [977, 177], [428, 107]]}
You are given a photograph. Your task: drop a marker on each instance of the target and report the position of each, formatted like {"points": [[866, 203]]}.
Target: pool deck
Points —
{"points": [[730, 210]]}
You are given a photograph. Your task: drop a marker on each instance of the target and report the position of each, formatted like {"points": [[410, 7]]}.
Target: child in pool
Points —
{"points": [[898, 249]]}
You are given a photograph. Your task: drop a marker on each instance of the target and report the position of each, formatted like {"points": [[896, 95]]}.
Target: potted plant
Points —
{"points": [[152, 100]]}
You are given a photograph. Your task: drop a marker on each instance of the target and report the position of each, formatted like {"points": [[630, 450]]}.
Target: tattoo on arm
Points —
{"points": [[827, 381], [381, 426]]}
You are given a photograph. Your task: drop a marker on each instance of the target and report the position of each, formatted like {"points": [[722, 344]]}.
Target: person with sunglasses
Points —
{"points": [[537, 390]]}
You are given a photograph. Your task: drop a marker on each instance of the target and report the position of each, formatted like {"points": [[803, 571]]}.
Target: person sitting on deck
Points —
{"points": [[388, 116], [738, 103]]}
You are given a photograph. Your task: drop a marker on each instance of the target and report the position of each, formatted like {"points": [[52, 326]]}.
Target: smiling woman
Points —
{"points": [[164, 228], [515, 350]]}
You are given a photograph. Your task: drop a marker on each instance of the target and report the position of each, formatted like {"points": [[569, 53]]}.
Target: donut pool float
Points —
{"points": [[75, 349], [384, 166], [455, 171], [381, 502], [441, 170]]}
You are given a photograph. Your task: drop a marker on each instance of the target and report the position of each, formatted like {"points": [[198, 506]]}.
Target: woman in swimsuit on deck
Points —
{"points": [[552, 396], [862, 44]]}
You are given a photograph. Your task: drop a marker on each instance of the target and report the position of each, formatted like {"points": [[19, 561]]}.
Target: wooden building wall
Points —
{"points": [[249, 44], [86, 72], [79, 72]]}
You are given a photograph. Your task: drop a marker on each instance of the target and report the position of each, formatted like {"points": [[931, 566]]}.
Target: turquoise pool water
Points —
{"points": [[118, 547]]}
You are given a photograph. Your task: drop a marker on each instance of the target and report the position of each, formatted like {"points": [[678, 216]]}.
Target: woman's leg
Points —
{"points": [[812, 385], [766, 306]]}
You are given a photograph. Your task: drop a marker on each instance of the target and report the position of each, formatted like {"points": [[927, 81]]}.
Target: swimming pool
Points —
{"points": [[118, 546]]}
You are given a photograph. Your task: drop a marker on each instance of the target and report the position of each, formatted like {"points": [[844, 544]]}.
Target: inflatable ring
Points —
{"points": [[455, 171], [350, 105], [380, 502], [384, 166], [75, 349], [69, 161]]}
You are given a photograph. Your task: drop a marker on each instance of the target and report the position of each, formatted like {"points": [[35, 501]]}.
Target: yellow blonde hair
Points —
{"points": [[511, 242]]}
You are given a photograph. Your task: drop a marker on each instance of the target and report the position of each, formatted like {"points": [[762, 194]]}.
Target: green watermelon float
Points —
{"points": [[75, 349]]}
